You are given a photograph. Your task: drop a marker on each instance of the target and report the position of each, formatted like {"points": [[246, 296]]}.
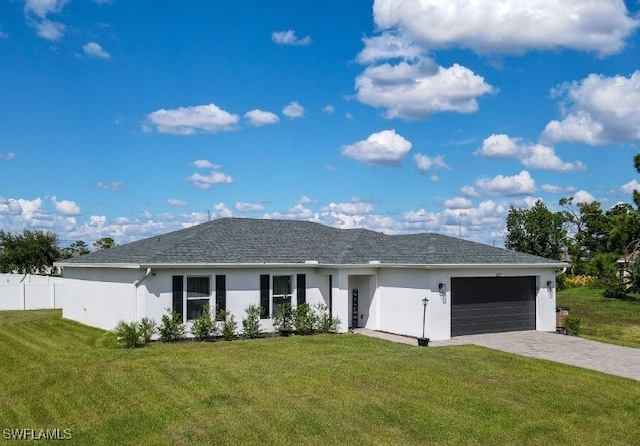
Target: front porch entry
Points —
{"points": [[361, 289]]}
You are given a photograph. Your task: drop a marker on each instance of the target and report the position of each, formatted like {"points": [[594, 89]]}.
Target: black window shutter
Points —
{"points": [[264, 296], [221, 293], [301, 288], [178, 287], [330, 295]]}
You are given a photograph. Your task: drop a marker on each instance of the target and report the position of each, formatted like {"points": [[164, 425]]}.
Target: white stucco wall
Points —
{"points": [[100, 297], [242, 290], [390, 298], [400, 293]]}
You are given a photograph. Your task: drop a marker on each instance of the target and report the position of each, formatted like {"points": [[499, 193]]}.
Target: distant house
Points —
{"points": [[367, 279]]}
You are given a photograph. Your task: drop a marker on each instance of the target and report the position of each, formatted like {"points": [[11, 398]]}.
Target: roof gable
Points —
{"points": [[260, 241]]}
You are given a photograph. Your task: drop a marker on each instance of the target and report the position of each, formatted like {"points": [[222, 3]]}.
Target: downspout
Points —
{"points": [[136, 284]]}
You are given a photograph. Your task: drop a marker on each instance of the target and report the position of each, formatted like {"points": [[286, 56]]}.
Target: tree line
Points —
{"points": [[33, 252], [590, 239]]}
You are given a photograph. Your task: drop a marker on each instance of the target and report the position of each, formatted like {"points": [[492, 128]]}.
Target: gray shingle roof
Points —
{"points": [[256, 241]]}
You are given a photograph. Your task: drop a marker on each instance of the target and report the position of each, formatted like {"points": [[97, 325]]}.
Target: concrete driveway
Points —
{"points": [[571, 350]]}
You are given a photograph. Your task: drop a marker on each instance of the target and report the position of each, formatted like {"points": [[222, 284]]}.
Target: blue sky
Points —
{"points": [[132, 118]]}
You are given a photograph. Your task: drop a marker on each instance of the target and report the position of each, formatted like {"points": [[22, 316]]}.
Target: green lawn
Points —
{"points": [[329, 389], [609, 320]]}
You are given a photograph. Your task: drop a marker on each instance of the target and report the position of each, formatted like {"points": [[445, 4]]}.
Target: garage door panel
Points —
{"points": [[492, 304]]}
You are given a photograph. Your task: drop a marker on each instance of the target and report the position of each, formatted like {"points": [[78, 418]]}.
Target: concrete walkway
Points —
{"points": [[571, 350]]}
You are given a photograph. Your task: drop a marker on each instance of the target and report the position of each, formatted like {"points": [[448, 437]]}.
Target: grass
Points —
{"points": [[608, 320], [327, 389]]}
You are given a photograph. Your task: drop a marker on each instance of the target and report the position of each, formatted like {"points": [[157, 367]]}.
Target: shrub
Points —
{"points": [[204, 327], [251, 323], [229, 325], [304, 320], [147, 327], [572, 325], [578, 281], [283, 319], [325, 323], [171, 329], [614, 287], [128, 334]]}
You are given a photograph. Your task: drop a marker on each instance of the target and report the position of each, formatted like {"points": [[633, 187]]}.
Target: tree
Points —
{"points": [[588, 230], [536, 231], [624, 227], [77, 248], [104, 243], [31, 252]]}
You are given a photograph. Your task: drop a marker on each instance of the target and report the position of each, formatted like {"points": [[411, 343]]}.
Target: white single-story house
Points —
{"points": [[367, 279]]}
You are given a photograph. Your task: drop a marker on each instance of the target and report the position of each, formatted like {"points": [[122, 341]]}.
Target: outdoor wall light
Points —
{"points": [[442, 288], [550, 285]]}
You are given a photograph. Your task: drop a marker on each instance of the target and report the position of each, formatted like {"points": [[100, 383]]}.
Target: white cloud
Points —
{"points": [[248, 207], [19, 214], [513, 26], [533, 156], [469, 191], [520, 184], [386, 148], [550, 188], [3, 35], [189, 120], [293, 110], [544, 157], [259, 118], [114, 185], [297, 212], [355, 207], [206, 181], [48, 29], [94, 49], [600, 110], [487, 215], [425, 163], [306, 200], [387, 46], [289, 38], [7, 156], [205, 164], [329, 109], [458, 203], [418, 90], [37, 11], [65, 207], [501, 147], [220, 210], [629, 187], [582, 196], [176, 203], [42, 8]]}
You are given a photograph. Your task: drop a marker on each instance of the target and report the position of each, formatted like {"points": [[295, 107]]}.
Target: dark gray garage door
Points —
{"points": [[492, 304]]}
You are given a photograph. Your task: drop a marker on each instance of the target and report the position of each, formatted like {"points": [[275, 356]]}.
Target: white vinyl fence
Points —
{"points": [[30, 292]]}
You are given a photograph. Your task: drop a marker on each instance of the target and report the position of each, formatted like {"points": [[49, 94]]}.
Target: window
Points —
{"points": [[281, 291], [198, 295]]}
